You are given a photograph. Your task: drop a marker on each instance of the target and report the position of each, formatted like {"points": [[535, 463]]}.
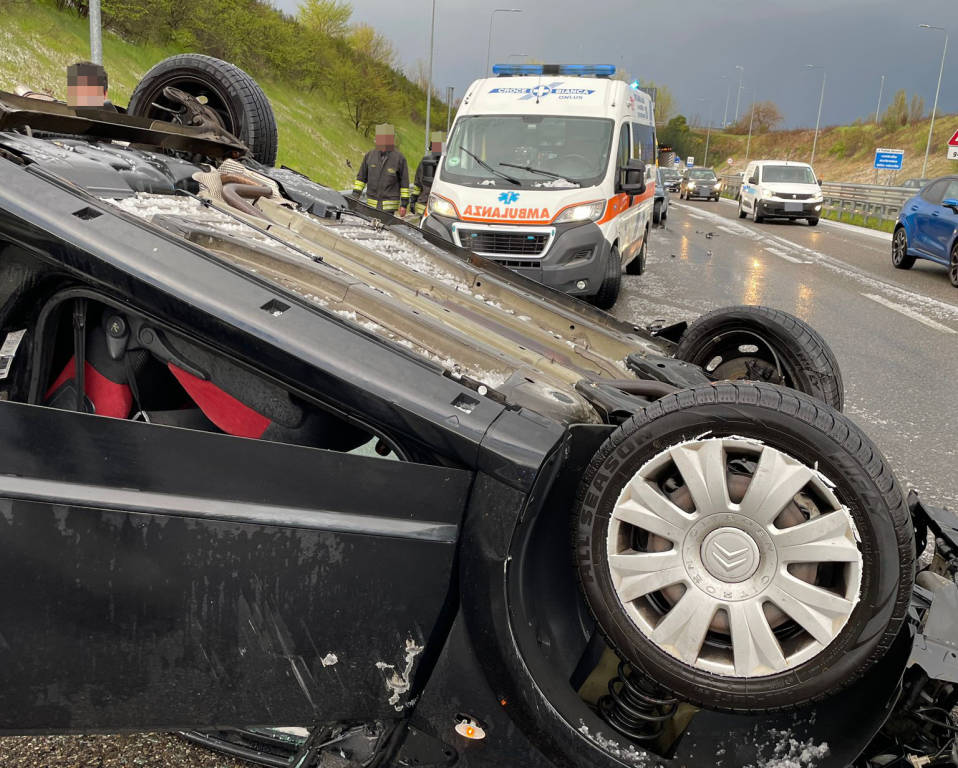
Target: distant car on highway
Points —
{"points": [[780, 189], [660, 206], [927, 228], [700, 182], [915, 183], [672, 179]]}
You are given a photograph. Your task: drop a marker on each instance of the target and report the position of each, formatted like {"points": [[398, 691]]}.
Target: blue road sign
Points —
{"points": [[677, 161], [888, 159], [689, 161]]}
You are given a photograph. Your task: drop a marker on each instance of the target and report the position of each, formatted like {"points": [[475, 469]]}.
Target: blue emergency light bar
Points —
{"points": [[565, 70]]}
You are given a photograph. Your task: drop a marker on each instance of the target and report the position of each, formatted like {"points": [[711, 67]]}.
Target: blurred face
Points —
{"points": [[385, 141], [436, 147], [84, 91]]}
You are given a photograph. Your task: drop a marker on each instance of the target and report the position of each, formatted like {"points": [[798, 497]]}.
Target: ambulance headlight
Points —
{"points": [[442, 207], [584, 212]]}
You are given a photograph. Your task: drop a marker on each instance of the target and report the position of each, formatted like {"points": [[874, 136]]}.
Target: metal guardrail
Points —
{"points": [[843, 199]]}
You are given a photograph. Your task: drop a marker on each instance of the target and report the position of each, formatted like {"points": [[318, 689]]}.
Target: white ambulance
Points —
{"points": [[550, 170]]}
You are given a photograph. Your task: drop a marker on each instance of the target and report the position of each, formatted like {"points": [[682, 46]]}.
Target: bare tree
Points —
{"points": [[767, 117]]}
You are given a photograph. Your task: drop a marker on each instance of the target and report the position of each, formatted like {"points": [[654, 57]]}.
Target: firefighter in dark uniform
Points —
{"points": [[384, 174], [425, 173]]}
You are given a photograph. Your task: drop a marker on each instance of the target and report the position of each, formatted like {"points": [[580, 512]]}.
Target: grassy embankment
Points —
{"points": [[37, 42]]}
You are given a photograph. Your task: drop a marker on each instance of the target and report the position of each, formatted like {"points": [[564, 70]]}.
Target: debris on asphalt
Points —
{"points": [[143, 750]]}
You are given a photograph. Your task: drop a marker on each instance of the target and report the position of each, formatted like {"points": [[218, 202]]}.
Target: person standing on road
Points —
{"points": [[425, 173], [384, 174]]}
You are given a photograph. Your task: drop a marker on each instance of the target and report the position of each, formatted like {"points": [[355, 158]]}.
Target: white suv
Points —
{"points": [[780, 189]]}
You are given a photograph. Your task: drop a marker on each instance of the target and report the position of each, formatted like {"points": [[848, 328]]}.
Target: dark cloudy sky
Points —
{"points": [[689, 44]]}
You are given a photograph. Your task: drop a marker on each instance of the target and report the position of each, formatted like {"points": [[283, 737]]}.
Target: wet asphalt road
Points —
{"points": [[895, 332]]}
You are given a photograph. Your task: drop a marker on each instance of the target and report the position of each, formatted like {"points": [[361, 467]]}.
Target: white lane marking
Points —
{"points": [[909, 312], [876, 233], [919, 301], [784, 255]]}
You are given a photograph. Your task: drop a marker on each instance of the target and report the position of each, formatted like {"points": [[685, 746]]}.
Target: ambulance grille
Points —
{"points": [[505, 243]]}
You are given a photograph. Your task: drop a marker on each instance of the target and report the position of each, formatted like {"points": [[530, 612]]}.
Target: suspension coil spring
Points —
{"points": [[635, 706]]}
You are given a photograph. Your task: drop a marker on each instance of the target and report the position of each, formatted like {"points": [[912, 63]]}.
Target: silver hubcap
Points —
{"points": [[734, 557]]}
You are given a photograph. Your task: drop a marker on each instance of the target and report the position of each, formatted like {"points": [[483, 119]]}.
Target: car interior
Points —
{"points": [[113, 362]]}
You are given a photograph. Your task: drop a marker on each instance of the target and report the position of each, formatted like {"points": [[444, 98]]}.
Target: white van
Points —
{"points": [[780, 189], [550, 170]]}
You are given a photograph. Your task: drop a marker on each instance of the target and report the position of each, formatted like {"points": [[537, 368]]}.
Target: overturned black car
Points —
{"points": [[318, 489]]}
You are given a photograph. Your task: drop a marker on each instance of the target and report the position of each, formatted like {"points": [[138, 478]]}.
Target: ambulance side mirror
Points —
{"points": [[634, 173]]}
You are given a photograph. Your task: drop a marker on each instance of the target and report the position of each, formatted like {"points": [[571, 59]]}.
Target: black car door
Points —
{"points": [[162, 577]]}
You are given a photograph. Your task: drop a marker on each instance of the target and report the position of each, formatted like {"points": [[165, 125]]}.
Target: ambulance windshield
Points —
{"points": [[574, 149]]}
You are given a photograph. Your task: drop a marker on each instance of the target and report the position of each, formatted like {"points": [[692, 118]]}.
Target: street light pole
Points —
{"points": [[432, 34], [728, 92], [738, 93], [934, 109], [449, 92], [821, 99], [492, 17], [748, 144], [96, 33], [881, 90], [708, 133]]}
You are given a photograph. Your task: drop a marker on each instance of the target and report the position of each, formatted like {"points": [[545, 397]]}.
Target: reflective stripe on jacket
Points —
{"points": [[385, 177]]}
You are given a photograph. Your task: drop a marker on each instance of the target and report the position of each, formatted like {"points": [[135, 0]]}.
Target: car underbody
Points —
{"points": [[329, 520]]}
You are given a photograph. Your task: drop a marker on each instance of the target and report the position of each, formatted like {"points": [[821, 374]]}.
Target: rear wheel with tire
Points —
{"points": [[745, 546], [953, 266], [763, 344], [637, 265], [899, 250], [239, 103], [609, 290]]}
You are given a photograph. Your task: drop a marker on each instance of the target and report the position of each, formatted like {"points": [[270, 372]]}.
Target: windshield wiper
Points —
{"points": [[488, 167], [530, 169]]}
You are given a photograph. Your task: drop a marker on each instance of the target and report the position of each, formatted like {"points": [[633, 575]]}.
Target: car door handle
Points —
{"points": [[914, 208], [934, 213]]}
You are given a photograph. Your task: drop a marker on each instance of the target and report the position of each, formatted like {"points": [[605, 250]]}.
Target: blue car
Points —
{"points": [[927, 228]]}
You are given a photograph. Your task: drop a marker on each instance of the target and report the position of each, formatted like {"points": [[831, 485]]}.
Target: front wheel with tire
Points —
{"points": [[763, 344], [813, 222], [745, 546], [657, 213], [609, 290], [756, 216], [741, 210], [899, 250], [239, 103]]}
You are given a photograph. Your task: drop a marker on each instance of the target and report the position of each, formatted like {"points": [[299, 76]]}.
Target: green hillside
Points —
{"points": [[38, 42], [845, 152]]}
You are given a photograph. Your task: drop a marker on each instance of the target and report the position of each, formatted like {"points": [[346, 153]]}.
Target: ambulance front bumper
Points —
{"points": [[568, 257]]}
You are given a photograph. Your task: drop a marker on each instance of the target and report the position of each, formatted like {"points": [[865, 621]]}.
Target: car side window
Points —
{"points": [[935, 193], [624, 152], [951, 191], [643, 143]]}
